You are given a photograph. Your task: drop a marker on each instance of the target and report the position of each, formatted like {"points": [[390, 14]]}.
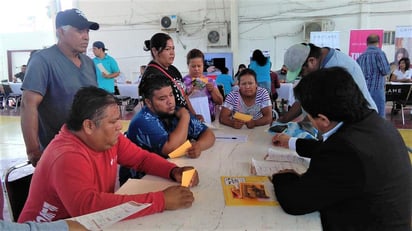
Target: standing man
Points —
{"points": [[106, 67], [375, 67], [53, 77], [302, 59]]}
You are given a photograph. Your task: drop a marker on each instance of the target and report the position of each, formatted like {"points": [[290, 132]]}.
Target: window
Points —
{"points": [[389, 37]]}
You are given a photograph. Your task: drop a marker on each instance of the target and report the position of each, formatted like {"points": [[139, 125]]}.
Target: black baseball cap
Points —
{"points": [[75, 18]]}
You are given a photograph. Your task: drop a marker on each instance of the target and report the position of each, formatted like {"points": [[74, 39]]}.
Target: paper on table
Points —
{"points": [[242, 116], [181, 150], [147, 184], [187, 177], [211, 126], [102, 219], [248, 191], [268, 168], [102, 69], [277, 153]]}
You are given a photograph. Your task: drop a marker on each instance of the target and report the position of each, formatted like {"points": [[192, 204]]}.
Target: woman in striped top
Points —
{"points": [[249, 99]]}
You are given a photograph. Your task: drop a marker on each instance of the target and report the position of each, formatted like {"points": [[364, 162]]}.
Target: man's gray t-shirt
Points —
{"points": [[51, 74], [338, 59]]}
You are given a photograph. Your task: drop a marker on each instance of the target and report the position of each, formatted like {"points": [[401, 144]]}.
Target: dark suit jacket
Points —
{"points": [[358, 179]]}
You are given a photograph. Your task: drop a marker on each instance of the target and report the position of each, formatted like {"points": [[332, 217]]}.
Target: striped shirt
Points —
{"points": [[375, 67], [234, 103]]}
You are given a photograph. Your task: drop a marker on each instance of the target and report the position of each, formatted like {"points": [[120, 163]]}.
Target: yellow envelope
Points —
{"points": [[242, 116], [187, 177], [181, 150]]}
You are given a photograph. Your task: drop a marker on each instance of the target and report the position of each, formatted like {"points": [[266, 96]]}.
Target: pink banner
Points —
{"points": [[357, 41]]}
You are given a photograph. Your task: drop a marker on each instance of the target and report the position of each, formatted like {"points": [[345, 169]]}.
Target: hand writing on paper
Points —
{"points": [[194, 151], [281, 140], [177, 174], [177, 197]]}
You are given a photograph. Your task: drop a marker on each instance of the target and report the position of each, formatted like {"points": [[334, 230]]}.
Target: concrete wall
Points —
{"points": [[271, 25]]}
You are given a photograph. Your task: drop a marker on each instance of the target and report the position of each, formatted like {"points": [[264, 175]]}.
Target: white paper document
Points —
{"points": [[279, 159], [102, 69], [102, 219], [279, 154], [201, 106]]}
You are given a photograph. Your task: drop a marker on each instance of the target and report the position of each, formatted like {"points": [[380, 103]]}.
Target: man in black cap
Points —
{"points": [[52, 78]]}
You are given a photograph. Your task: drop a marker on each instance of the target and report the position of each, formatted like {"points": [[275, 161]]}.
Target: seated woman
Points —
{"points": [[199, 85], [249, 99], [403, 73]]}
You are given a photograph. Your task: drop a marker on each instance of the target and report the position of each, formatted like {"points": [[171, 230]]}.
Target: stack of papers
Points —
{"points": [[278, 159]]}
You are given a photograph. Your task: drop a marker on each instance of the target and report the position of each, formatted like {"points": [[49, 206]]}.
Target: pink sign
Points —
{"points": [[357, 41]]}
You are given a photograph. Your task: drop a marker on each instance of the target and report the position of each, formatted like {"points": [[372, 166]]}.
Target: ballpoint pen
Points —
{"points": [[222, 137]]}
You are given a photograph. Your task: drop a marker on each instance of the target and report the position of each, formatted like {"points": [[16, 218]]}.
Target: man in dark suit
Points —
{"points": [[359, 176]]}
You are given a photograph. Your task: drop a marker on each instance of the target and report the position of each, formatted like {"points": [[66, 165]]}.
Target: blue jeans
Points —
{"points": [[378, 96]]}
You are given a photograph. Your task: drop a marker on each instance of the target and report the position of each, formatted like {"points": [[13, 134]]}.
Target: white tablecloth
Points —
{"points": [[131, 90], [286, 92], [201, 106], [209, 212], [15, 87]]}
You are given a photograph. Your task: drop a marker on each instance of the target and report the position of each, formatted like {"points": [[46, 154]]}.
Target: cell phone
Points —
{"points": [[278, 128]]}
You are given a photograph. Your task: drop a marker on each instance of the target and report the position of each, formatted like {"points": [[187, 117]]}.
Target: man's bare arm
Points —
{"points": [[30, 124]]}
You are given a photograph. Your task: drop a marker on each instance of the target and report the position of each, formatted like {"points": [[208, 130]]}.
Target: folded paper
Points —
{"points": [[102, 69], [243, 117], [187, 177], [181, 150]]}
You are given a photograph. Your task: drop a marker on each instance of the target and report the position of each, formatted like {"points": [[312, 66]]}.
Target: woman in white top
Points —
{"points": [[403, 73]]}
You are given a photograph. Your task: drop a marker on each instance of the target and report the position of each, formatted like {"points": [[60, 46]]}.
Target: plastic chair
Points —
{"points": [[122, 101], [16, 191]]}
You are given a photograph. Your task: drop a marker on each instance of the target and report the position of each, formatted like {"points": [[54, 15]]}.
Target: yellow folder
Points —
{"points": [[181, 150], [242, 116]]}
